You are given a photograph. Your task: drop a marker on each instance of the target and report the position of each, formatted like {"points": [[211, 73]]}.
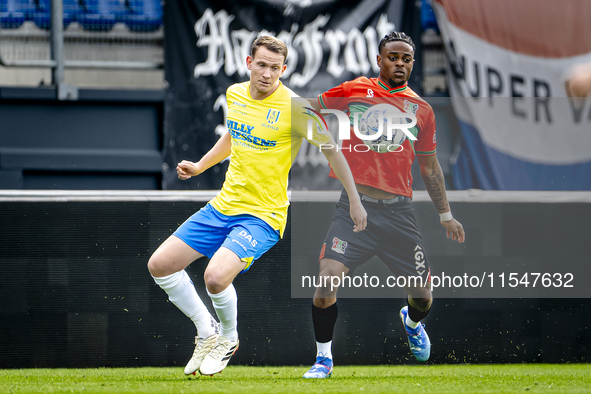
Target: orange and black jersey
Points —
{"points": [[390, 171]]}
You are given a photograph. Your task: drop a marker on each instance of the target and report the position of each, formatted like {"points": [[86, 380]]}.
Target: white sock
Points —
{"points": [[411, 323], [225, 304], [182, 293], [324, 349]]}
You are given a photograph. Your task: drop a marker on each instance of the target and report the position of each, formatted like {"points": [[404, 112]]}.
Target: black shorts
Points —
{"points": [[391, 234]]}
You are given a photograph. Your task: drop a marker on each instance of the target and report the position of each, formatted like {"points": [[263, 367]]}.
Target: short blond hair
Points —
{"points": [[271, 43]]}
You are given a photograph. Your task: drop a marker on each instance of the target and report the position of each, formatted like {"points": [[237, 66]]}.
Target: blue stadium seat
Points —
{"points": [[42, 19], [101, 15], [27, 7], [13, 13], [143, 15], [428, 20]]}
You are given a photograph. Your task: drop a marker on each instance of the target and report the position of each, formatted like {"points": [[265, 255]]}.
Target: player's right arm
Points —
{"points": [[222, 149], [342, 170]]}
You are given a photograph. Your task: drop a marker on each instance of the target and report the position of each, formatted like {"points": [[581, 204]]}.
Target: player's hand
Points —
{"points": [[186, 169], [455, 231], [359, 216]]}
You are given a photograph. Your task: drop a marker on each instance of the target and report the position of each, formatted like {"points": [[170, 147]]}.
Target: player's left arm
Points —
{"points": [[435, 184], [343, 172]]}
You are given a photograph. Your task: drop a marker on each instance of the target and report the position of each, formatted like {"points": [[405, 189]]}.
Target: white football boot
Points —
{"points": [[202, 349], [219, 357]]}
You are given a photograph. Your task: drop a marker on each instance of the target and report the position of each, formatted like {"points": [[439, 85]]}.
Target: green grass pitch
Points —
{"points": [[511, 378]]}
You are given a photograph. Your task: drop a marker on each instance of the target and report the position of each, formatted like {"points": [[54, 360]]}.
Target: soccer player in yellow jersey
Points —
{"points": [[249, 215]]}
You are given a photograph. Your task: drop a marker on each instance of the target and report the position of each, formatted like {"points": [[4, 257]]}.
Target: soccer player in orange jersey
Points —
{"points": [[384, 182]]}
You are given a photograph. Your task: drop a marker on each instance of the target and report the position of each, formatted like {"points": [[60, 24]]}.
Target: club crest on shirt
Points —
{"points": [[369, 93], [339, 245], [410, 107], [273, 116]]}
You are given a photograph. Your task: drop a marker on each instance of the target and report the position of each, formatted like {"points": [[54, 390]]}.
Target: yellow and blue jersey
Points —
{"points": [[266, 135]]}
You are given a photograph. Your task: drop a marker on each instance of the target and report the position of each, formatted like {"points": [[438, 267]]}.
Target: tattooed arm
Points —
{"points": [[435, 184]]}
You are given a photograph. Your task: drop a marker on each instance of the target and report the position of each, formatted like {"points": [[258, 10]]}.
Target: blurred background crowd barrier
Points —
{"points": [[76, 291]]}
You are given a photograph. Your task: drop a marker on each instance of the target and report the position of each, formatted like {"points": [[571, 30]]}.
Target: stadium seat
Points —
{"points": [[428, 20], [43, 16], [27, 7], [101, 15], [143, 15], [13, 13]]}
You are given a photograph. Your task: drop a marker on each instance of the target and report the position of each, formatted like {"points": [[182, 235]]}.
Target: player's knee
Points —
{"points": [[156, 266], [328, 272], [214, 282], [420, 294], [422, 304], [332, 268]]}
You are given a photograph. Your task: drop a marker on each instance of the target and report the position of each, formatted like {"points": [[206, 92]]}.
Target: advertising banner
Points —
{"points": [[206, 45]]}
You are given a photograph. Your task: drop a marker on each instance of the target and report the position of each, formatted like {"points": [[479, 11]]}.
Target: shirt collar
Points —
{"points": [[385, 86]]}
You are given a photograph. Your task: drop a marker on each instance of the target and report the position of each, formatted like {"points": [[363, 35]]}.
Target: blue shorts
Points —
{"points": [[246, 235]]}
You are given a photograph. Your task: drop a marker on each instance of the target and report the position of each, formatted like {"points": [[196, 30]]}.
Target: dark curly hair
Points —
{"points": [[396, 36]]}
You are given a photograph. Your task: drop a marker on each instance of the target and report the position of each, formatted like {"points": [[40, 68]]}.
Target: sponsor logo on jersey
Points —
{"points": [[339, 245], [273, 116], [238, 111], [369, 93], [238, 104], [240, 127], [410, 107], [242, 131], [268, 126]]}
